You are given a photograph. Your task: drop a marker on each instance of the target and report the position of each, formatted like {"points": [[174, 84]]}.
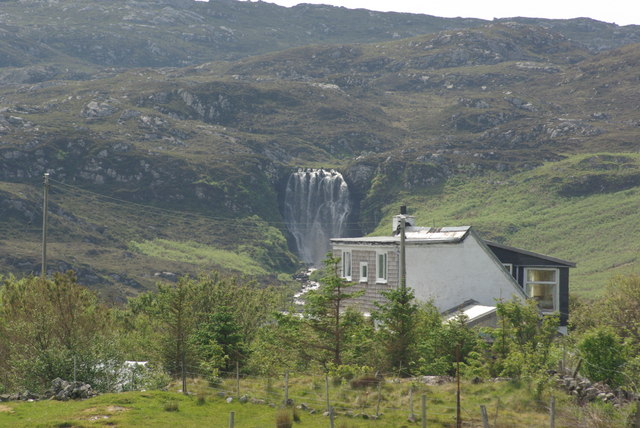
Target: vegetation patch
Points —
{"points": [[199, 254]]}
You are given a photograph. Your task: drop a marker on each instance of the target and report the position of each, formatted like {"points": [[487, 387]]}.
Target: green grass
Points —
{"points": [[507, 403], [599, 231], [198, 254]]}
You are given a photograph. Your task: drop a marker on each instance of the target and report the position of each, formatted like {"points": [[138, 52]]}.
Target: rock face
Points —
{"points": [[63, 390]]}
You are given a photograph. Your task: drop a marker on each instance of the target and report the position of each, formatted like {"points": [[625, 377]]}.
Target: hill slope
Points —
{"points": [[164, 171]]}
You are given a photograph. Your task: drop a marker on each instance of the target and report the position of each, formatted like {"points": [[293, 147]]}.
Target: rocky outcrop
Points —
{"points": [[63, 391]]}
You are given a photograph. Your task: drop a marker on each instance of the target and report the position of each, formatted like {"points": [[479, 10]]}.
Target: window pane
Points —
{"points": [[543, 294], [538, 275], [382, 266]]}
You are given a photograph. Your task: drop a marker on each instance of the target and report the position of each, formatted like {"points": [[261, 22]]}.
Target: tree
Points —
{"points": [[322, 328], [396, 318], [622, 306], [47, 325], [604, 356], [523, 342]]}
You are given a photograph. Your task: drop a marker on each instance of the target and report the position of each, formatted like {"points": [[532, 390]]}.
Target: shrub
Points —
{"points": [[171, 406], [603, 356], [283, 419]]}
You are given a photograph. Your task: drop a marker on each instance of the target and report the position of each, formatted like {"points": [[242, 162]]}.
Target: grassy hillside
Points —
{"points": [[583, 209], [182, 169]]}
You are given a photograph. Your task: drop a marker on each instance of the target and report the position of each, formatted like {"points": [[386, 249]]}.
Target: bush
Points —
{"points": [[171, 406], [603, 356], [283, 419]]}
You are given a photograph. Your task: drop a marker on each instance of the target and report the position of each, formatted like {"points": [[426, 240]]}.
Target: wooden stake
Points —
{"points": [[411, 414], [286, 388], [326, 386], [238, 379], [331, 417], [379, 399], [552, 412], [424, 411], [485, 418], [231, 419]]}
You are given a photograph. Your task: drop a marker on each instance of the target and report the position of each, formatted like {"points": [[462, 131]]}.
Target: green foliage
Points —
{"points": [[46, 324], [323, 326], [199, 254], [524, 342], [396, 318], [621, 306], [604, 356]]}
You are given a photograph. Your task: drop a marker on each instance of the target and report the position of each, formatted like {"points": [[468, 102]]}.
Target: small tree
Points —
{"points": [[322, 328], [397, 322], [524, 339], [604, 356]]}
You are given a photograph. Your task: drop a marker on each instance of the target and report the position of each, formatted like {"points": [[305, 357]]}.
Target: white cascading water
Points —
{"points": [[316, 208]]}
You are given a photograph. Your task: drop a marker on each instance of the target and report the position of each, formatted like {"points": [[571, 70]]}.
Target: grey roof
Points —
{"points": [[414, 235], [531, 253]]}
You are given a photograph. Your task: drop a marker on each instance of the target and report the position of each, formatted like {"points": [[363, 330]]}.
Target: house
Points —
{"points": [[455, 268]]}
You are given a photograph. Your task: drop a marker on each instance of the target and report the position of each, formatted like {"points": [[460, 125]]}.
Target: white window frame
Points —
{"points": [[555, 284], [508, 267], [382, 279], [364, 267], [347, 266]]}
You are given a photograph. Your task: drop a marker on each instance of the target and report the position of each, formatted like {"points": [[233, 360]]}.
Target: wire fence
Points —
{"points": [[401, 399]]}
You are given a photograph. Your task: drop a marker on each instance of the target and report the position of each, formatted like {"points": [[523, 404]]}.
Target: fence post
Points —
{"points": [[552, 412], [326, 387], [331, 417], [286, 388], [485, 418], [637, 423], [424, 411], [231, 419], [74, 369], [412, 416], [237, 379], [379, 398]]}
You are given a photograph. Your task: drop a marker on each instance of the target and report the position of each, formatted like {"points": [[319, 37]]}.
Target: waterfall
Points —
{"points": [[316, 208]]}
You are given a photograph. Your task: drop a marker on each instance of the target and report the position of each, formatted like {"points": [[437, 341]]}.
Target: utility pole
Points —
{"points": [[403, 260], [45, 209]]}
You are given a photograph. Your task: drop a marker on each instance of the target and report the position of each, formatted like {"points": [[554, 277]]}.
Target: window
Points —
{"points": [[364, 272], [542, 285], [346, 264], [508, 267], [381, 275]]}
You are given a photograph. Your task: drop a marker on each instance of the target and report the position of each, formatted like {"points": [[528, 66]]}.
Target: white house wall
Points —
{"points": [[455, 272]]}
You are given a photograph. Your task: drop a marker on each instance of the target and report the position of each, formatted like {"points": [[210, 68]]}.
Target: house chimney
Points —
{"points": [[409, 220]]}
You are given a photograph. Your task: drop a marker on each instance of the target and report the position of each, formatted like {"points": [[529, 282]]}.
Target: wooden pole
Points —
{"points": [[403, 263], [379, 398], [424, 411], [231, 419], [637, 423], [485, 417], [458, 414], [552, 412], [326, 387], [331, 417], [411, 414], [238, 379], [286, 388], [45, 210]]}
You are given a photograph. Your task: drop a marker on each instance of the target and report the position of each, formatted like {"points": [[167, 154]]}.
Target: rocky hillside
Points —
{"points": [[165, 159]]}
